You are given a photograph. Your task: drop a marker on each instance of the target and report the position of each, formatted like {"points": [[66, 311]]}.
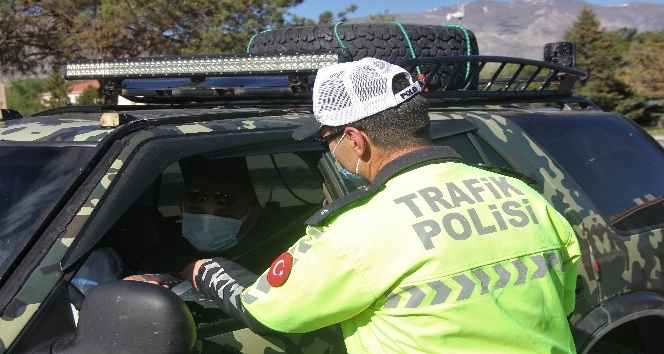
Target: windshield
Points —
{"points": [[32, 181]]}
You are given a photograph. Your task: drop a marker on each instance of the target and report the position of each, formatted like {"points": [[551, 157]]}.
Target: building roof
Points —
{"points": [[78, 87]]}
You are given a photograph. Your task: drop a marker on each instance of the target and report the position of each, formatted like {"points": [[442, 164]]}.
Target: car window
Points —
{"points": [[286, 188], [620, 170]]}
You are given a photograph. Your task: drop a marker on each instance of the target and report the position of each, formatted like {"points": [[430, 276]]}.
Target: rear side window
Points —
{"points": [[611, 160]]}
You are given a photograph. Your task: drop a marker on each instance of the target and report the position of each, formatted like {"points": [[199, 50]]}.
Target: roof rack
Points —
{"points": [[482, 77], [286, 76]]}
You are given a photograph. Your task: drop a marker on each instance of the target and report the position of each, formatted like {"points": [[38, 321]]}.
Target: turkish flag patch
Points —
{"points": [[280, 270]]}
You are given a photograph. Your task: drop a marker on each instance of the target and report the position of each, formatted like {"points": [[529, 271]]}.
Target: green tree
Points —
{"points": [[624, 37], [598, 52], [89, 96], [50, 30], [385, 17], [645, 72], [24, 94], [326, 17], [58, 90]]}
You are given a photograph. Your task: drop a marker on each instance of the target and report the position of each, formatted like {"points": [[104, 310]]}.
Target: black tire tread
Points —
{"points": [[382, 41]]}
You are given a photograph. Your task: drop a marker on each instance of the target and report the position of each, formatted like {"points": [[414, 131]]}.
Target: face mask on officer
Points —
{"points": [[353, 177], [213, 216]]}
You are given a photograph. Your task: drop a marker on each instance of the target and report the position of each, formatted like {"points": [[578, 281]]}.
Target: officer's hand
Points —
{"points": [[191, 270], [165, 280]]}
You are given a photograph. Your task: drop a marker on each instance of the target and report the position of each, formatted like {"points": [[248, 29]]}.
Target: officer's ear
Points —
{"points": [[358, 140]]}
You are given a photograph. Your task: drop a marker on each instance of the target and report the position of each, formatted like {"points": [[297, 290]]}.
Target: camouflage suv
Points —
{"points": [[77, 179]]}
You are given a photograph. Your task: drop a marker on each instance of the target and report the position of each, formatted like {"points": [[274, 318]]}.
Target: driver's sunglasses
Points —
{"points": [[325, 140], [199, 196]]}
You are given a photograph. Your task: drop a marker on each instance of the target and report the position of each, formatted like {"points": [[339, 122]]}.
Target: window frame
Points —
{"points": [[152, 156]]}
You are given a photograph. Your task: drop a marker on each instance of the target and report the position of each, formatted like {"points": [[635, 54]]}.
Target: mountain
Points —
{"points": [[521, 28]]}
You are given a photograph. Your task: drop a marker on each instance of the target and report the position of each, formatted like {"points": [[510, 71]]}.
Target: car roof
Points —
{"points": [[70, 128], [93, 127]]}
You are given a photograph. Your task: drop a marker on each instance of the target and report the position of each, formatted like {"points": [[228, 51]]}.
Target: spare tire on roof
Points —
{"points": [[383, 41]]}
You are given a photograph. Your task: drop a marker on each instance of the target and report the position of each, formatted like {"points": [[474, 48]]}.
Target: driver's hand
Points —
{"points": [[189, 272]]}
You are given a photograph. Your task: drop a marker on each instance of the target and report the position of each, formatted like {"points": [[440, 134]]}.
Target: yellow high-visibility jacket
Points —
{"points": [[434, 257]]}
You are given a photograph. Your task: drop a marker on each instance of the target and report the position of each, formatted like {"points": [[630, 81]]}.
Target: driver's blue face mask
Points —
{"points": [[211, 233]]}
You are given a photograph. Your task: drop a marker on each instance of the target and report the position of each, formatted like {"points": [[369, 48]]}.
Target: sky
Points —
{"points": [[312, 8]]}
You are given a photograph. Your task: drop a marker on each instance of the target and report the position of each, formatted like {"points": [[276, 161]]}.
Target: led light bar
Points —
{"points": [[200, 65]]}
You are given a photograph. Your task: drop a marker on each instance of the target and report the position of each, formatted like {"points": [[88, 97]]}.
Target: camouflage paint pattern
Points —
{"points": [[42, 281], [53, 129], [506, 137], [624, 263]]}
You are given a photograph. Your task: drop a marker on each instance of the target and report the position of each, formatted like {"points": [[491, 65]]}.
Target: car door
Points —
{"points": [[141, 172]]}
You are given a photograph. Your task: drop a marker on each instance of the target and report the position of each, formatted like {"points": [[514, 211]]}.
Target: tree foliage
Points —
{"points": [[89, 96], [326, 17], [384, 17], [43, 33], [646, 70], [598, 52], [67, 29], [625, 67], [58, 91], [24, 94]]}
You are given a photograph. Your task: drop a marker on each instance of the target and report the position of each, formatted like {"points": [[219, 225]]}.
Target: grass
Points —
{"points": [[655, 131]]}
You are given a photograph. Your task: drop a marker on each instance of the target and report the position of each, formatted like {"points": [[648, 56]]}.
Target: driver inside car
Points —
{"points": [[219, 209]]}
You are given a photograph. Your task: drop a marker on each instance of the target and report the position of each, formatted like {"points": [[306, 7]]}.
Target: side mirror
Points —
{"points": [[131, 317]]}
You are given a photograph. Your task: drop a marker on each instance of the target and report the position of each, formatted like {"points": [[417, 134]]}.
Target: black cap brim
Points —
{"points": [[307, 129]]}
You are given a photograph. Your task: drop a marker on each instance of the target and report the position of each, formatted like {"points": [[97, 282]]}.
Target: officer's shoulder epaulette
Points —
{"points": [[332, 208]]}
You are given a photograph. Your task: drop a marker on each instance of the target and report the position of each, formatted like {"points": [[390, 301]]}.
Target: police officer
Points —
{"points": [[432, 256]]}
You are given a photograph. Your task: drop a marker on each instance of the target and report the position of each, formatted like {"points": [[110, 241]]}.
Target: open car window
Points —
{"points": [[287, 192]]}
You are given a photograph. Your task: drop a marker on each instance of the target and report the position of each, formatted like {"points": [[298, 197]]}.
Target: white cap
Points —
{"points": [[347, 92]]}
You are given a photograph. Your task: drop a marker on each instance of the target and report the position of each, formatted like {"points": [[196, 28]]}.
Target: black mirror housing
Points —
{"points": [[131, 317]]}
